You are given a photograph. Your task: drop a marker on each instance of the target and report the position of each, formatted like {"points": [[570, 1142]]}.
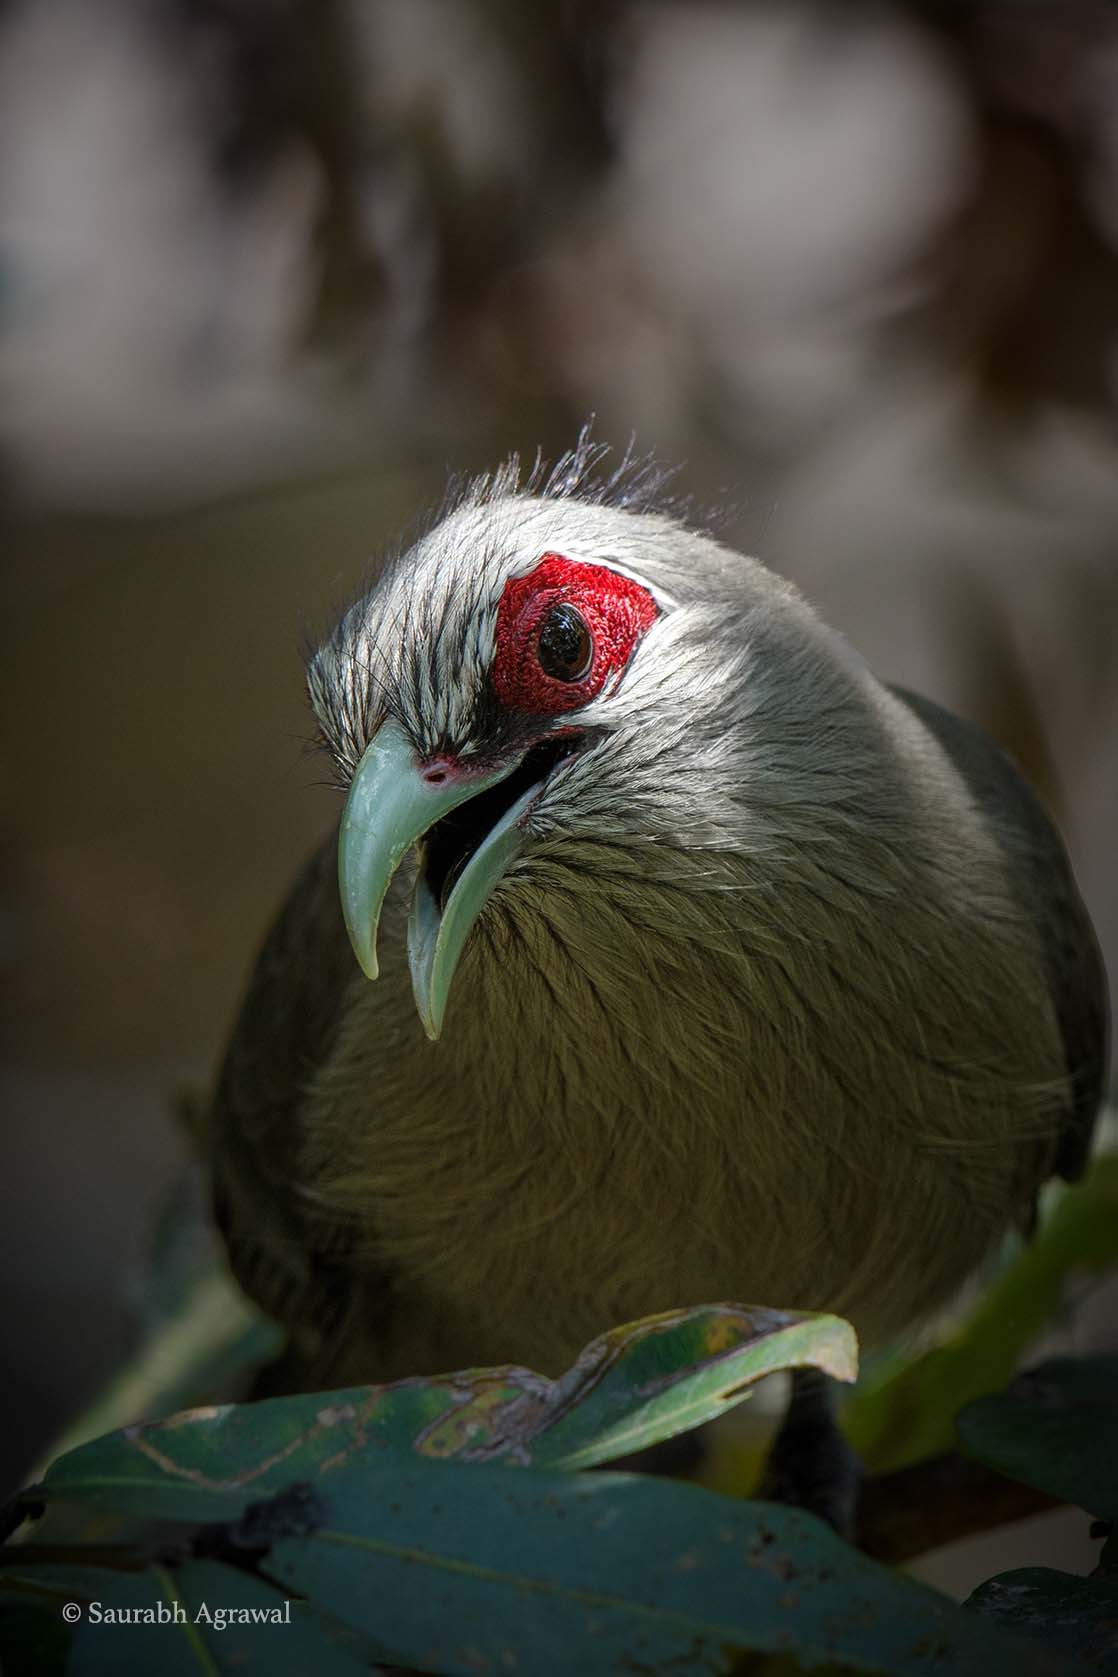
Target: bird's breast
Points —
{"points": [[613, 1125]]}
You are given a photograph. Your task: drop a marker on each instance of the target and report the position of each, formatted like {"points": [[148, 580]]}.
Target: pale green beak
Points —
{"points": [[389, 808]]}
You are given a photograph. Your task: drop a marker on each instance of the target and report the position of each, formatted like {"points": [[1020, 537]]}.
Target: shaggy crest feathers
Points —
{"points": [[438, 615]]}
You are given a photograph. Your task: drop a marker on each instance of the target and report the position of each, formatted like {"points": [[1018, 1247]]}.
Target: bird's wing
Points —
{"points": [[292, 1265], [1042, 874]]}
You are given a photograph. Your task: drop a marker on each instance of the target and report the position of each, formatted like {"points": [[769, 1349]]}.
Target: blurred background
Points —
{"points": [[270, 268]]}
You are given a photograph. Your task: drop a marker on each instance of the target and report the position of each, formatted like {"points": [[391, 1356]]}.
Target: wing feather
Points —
{"points": [[1042, 874], [292, 1264]]}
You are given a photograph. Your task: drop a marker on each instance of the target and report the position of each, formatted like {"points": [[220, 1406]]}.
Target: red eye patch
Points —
{"points": [[615, 611]]}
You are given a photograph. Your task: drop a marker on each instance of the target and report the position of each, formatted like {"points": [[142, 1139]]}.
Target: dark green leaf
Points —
{"points": [[185, 1622], [460, 1570], [1076, 1618], [215, 1337], [98, 1642], [1056, 1428], [34, 1638]]}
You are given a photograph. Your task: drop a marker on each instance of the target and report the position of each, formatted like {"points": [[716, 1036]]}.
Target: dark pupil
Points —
{"points": [[565, 647]]}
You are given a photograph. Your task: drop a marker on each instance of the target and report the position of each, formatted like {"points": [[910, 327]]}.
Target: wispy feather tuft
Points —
{"points": [[635, 482]]}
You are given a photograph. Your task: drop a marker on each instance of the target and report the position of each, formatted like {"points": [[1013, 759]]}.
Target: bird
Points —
{"points": [[662, 955]]}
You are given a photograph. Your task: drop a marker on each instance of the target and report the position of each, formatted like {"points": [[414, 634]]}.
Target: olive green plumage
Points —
{"points": [[788, 996]]}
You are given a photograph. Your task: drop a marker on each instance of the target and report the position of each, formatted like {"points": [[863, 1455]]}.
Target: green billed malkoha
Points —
{"points": [[707, 967]]}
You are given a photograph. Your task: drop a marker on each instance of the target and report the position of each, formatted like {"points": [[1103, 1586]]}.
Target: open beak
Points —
{"points": [[394, 802]]}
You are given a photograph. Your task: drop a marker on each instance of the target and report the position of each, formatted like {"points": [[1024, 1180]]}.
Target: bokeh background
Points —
{"points": [[270, 268]]}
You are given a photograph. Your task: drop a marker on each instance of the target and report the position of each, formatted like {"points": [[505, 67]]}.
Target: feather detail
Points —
{"points": [[789, 996]]}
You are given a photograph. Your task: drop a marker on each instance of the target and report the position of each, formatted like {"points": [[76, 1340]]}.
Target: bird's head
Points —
{"points": [[539, 670]]}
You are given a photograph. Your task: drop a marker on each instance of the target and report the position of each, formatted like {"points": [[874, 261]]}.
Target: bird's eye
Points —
{"points": [[564, 634], [566, 646]]}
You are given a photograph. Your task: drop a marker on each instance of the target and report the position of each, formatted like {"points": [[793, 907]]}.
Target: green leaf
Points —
{"points": [[464, 1569], [1056, 1428], [628, 1389], [34, 1638], [641, 1384], [181, 1622], [215, 1336], [906, 1414], [200, 1333], [1076, 1618], [106, 1645]]}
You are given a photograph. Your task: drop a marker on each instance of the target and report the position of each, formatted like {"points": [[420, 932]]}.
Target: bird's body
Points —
{"points": [[786, 995]]}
